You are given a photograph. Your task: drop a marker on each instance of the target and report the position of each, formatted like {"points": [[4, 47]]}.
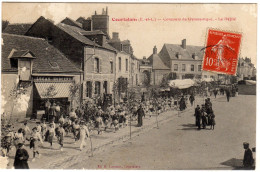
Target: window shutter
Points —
{"points": [[100, 65], [92, 61]]}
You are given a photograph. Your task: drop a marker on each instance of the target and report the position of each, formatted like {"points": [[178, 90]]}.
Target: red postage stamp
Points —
{"points": [[222, 52]]}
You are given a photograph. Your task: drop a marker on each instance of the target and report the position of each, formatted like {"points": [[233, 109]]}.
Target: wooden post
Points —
{"points": [[130, 126], [91, 146]]}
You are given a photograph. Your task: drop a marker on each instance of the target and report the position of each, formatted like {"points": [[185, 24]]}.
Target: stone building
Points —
{"points": [[29, 67], [245, 69], [184, 60], [88, 50]]}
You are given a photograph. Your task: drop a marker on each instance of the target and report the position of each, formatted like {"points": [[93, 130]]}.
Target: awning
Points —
{"points": [[207, 79], [53, 90], [181, 83]]}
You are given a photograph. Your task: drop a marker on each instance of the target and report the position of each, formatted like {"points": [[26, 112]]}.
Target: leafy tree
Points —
{"points": [[74, 93], [167, 78], [147, 79], [5, 23]]}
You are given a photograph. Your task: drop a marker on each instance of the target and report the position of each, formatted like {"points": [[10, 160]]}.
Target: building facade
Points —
{"points": [[30, 66], [183, 60], [245, 69]]}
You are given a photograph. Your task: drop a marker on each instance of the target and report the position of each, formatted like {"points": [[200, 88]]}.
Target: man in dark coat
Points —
{"points": [[182, 104], [228, 94], [248, 160], [21, 158], [198, 117], [192, 98], [140, 113]]}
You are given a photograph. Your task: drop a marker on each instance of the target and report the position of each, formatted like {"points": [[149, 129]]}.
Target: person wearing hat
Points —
{"points": [[44, 129], [26, 130], [18, 137], [248, 160], [140, 113], [203, 117], [83, 133], [99, 121], [198, 116], [36, 137], [51, 134], [21, 158], [60, 135], [7, 141]]}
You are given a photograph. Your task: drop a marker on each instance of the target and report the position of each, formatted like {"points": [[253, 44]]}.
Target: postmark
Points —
{"points": [[222, 51]]}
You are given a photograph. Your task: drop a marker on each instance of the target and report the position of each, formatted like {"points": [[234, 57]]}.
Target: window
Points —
{"points": [[111, 67], [192, 68], [96, 65], [89, 89], [126, 64], [97, 87], [175, 67], [183, 67], [119, 63], [14, 63], [199, 68]]}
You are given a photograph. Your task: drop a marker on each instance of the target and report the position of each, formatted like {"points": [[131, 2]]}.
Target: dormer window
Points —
{"points": [[178, 55]]}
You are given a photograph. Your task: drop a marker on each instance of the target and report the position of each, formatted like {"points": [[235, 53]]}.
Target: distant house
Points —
{"points": [[184, 60], [245, 69], [30, 66], [17, 29]]}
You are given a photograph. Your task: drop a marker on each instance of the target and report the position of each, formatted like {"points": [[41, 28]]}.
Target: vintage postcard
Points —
{"points": [[128, 86]]}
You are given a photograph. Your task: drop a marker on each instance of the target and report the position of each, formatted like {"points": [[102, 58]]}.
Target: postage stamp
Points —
{"points": [[222, 51]]}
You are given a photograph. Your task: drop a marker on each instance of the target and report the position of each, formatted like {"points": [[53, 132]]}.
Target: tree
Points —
{"points": [[5, 23], [120, 86], [15, 92], [74, 93], [167, 78], [147, 79]]}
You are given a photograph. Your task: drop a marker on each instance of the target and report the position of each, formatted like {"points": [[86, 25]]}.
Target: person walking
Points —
{"points": [[140, 113], [60, 135], [83, 133], [192, 98], [228, 94], [36, 137], [198, 117], [21, 158], [248, 160]]}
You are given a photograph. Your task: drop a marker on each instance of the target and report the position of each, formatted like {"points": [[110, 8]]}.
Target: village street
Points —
{"points": [[177, 144]]}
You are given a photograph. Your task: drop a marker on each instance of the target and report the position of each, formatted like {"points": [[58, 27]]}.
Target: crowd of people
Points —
{"points": [[78, 123]]}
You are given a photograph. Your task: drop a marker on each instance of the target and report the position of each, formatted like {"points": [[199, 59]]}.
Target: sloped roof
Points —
{"points": [[157, 63], [173, 49], [78, 34], [81, 20], [48, 59], [18, 29], [71, 22], [95, 32]]}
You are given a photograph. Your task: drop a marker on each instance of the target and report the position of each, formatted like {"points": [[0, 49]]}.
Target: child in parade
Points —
{"points": [[35, 138]]}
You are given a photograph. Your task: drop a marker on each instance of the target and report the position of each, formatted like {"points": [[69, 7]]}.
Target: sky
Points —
{"points": [[144, 35]]}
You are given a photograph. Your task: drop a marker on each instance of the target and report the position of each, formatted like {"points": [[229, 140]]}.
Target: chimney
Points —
{"points": [[115, 36], [95, 12], [106, 11], [144, 58], [87, 24], [154, 50], [183, 44], [103, 11]]}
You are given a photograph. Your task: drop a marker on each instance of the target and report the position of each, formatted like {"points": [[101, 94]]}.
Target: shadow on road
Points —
{"points": [[237, 164], [189, 127]]}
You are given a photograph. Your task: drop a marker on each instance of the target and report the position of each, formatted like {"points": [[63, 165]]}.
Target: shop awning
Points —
{"points": [[53, 90], [181, 83]]}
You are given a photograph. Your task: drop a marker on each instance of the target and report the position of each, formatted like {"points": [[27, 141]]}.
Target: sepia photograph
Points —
{"points": [[128, 86]]}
